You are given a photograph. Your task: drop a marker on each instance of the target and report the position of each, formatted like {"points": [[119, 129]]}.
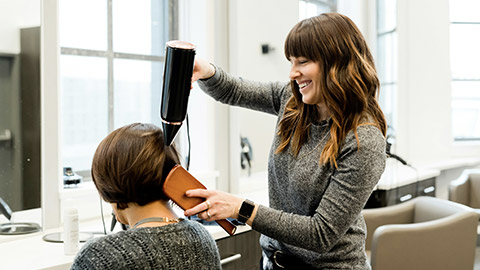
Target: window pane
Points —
{"points": [[387, 101], [83, 24], [466, 119], [466, 89], [313, 8], [465, 10], [386, 15], [466, 109], [137, 90], [84, 108], [138, 26], [302, 10], [387, 57], [465, 53]]}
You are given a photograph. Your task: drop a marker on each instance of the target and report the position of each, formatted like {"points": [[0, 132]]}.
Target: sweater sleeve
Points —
{"points": [[265, 97], [359, 170]]}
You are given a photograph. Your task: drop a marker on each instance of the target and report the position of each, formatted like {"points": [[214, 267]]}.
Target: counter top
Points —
{"points": [[397, 174]]}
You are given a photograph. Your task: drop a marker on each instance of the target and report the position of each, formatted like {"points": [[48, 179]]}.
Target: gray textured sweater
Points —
{"points": [[315, 211], [183, 245]]}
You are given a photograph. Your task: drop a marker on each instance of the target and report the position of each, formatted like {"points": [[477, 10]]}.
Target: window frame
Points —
{"points": [[390, 83]]}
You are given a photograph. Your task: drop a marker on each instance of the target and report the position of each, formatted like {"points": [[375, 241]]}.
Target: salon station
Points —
{"points": [[71, 72]]}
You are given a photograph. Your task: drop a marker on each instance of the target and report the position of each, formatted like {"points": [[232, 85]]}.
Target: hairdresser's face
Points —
{"points": [[306, 73]]}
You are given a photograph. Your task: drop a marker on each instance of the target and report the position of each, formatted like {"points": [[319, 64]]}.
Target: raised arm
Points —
{"points": [[260, 96]]}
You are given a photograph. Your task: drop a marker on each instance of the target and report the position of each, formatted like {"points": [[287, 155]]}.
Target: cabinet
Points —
{"points": [[386, 197], [20, 123], [241, 251]]}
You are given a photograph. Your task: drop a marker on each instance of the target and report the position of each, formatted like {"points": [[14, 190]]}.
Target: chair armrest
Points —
{"points": [[474, 179], [458, 190], [446, 243], [395, 214]]}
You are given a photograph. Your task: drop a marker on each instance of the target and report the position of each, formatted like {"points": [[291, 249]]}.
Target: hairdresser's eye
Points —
{"points": [[302, 61], [298, 61]]}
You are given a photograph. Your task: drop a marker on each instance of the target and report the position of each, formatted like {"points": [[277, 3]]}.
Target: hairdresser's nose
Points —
{"points": [[294, 72]]}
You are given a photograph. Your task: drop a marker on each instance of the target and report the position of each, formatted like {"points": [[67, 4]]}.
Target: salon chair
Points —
{"points": [[423, 233], [466, 189]]}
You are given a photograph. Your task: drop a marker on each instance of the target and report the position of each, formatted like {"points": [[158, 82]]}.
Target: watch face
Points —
{"points": [[246, 209]]}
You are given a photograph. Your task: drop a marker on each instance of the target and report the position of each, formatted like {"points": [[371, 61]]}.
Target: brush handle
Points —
{"points": [[227, 226]]}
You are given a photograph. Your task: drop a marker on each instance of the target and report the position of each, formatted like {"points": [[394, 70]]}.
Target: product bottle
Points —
{"points": [[70, 231]]}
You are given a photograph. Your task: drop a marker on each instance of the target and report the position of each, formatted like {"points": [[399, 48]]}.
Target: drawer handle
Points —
{"points": [[230, 259], [429, 189], [405, 197]]}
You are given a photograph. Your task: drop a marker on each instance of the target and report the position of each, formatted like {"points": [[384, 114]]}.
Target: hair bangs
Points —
{"points": [[299, 41]]}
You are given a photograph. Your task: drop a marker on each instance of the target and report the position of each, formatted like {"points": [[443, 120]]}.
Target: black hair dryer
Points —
{"points": [[177, 80]]}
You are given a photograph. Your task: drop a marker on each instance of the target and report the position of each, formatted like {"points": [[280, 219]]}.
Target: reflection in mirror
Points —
{"points": [[20, 105]]}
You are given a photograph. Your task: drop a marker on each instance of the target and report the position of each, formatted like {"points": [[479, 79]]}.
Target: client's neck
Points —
{"points": [[134, 213]]}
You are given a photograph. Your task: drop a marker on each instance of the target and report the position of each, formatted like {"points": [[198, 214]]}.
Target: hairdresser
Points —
{"points": [[327, 155]]}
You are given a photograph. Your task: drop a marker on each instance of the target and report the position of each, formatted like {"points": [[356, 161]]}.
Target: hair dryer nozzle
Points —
{"points": [[177, 79], [169, 132]]}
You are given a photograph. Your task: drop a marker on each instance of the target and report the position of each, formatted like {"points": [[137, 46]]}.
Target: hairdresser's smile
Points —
{"points": [[306, 74], [303, 85]]}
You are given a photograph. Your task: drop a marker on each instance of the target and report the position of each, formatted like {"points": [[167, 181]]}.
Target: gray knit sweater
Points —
{"points": [[315, 210], [183, 245]]}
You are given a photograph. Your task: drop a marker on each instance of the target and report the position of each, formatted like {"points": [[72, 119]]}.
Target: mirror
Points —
{"points": [[20, 104]]}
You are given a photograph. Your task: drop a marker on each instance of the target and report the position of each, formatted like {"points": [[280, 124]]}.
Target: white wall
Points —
{"points": [[424, 95], [13, 16], [205, 23], [253, 23], [230, 34]]}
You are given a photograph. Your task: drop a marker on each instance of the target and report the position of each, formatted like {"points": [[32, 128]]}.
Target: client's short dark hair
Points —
{"points": [[130, 165]]}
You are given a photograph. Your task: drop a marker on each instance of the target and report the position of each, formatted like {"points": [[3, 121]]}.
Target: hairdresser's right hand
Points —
{"points": [[202, 70]]}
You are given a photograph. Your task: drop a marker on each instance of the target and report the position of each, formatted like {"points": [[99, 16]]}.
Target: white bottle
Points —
{"points": [[70, 231]]}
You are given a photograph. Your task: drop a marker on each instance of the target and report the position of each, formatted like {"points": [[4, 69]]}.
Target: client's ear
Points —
{"points": [[119, 214]]}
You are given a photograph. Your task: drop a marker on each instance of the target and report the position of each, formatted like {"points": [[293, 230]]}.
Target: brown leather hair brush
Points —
{"points": [[178, 181]]}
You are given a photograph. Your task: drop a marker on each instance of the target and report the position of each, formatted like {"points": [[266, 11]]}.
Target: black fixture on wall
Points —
{"points": [[266, 48]]}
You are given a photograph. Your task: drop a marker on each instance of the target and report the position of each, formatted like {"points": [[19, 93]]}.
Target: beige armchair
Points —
{"points": [[423, 233], [466, 189]]}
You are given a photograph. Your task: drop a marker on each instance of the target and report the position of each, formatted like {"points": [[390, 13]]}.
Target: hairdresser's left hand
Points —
{"points": [[222, 205]]}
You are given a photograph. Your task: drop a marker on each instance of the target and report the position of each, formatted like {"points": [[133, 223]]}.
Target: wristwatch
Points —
{"points": [[245, 211]]}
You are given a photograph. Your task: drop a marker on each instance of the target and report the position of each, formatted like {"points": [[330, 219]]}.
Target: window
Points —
{"points": [[465, 68], [111, 65], [311, 8], [386, 61]]}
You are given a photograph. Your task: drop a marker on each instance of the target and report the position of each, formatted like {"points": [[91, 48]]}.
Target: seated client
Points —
{"points": [[129, 169]]}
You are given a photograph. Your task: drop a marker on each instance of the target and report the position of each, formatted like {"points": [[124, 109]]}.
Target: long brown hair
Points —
{"points": [[349, 83], [130, 165]]}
